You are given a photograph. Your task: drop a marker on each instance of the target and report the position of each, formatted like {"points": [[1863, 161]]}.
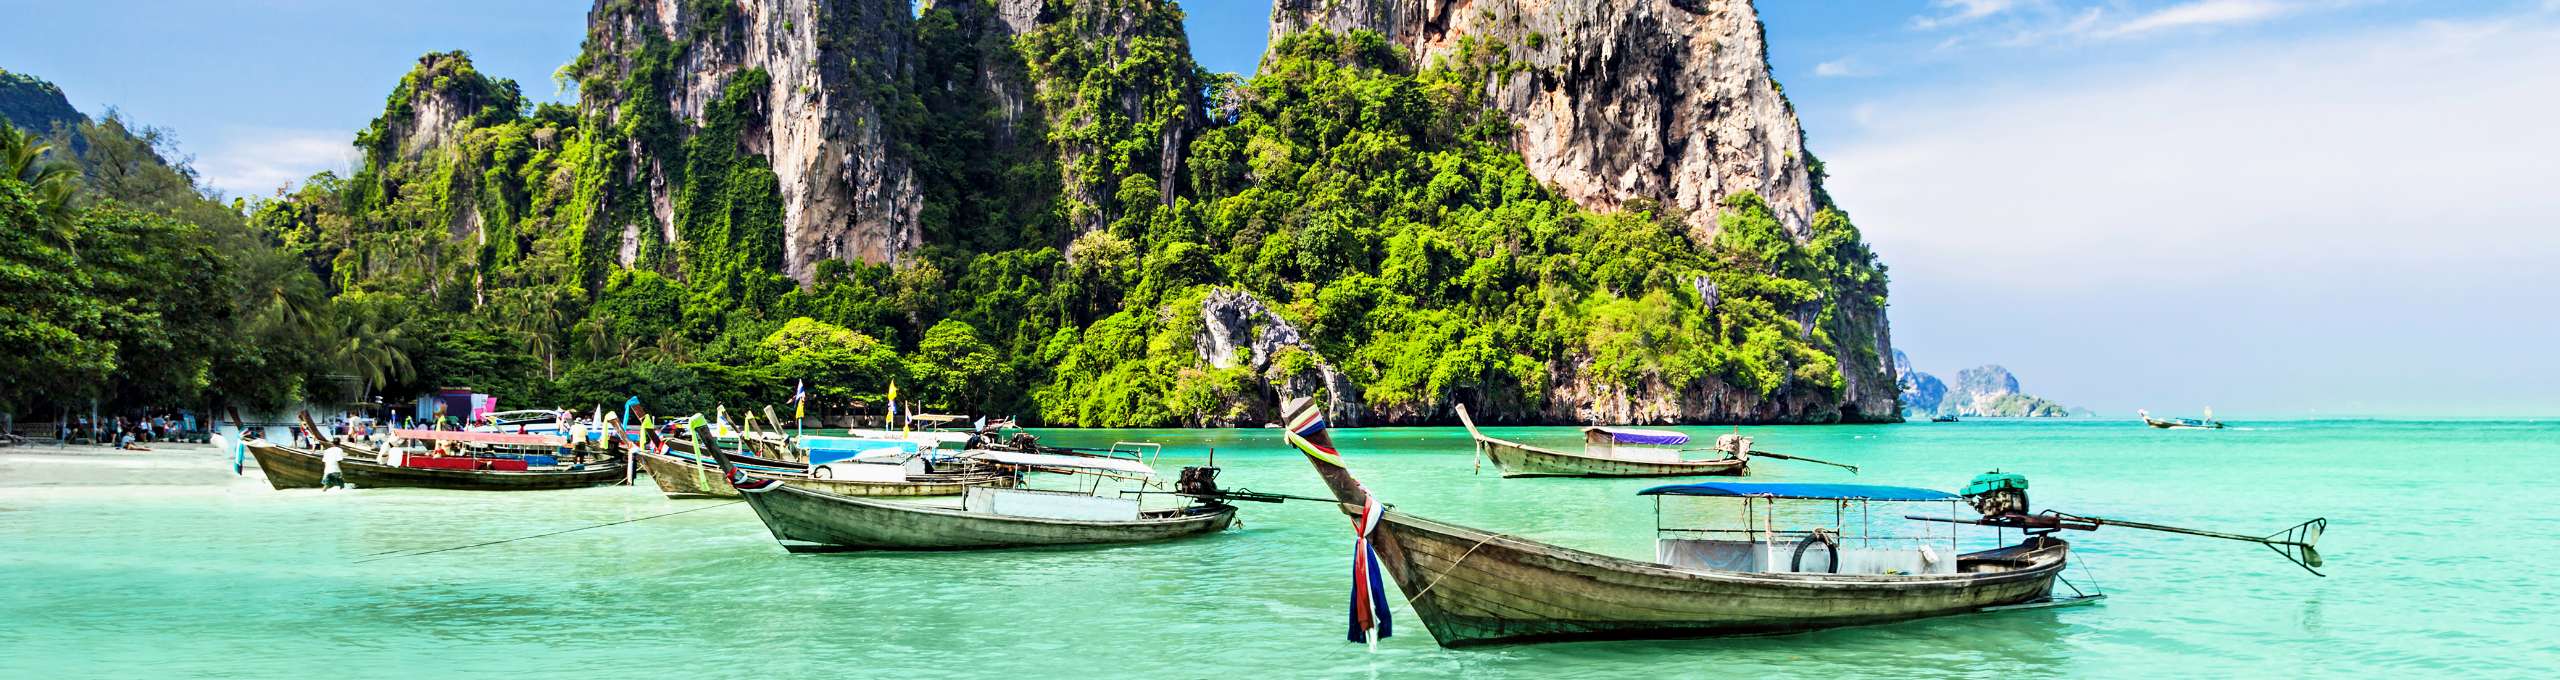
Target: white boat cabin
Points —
{"points": [[1848, 538]]}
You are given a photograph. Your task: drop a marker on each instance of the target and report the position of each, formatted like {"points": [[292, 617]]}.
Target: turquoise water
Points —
{"points": [[2440, 553]]}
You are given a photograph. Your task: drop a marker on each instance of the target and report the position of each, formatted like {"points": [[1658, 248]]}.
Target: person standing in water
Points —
{"points": [[331, 477]]}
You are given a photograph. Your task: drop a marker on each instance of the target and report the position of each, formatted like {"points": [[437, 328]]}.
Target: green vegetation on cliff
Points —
{"points": [[1084, 186]]}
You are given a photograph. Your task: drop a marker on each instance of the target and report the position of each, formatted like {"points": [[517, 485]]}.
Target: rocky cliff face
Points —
{"points": [[1099, 75], [847, 190], [1992, 391], [1921, 393], [1243, 332], [35, 105], [1667, 100], [436, 103]]}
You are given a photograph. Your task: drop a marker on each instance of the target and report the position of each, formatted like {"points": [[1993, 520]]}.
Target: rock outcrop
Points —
{"points": [[1992, 391], [36, 105], [1921, 393], [848, 191], [1242, 331], [437, 103], [1666, 100], [1098, 74]]}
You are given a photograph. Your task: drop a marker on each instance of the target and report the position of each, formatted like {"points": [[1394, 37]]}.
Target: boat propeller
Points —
{"points": [[2002, 499]]}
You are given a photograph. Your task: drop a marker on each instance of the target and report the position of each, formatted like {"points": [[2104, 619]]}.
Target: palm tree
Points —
{"points": [[368, 351], [536, 313], [22, 157]]}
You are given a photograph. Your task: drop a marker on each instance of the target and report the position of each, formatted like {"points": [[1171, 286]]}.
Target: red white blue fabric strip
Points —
{"points": [[1369, 612], [1307, 422], [739, 479]]}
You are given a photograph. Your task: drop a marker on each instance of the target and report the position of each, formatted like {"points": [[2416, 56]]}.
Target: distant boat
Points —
{"points": [[1606, 452], [1948, 418], [2207, 423], [1621, 452]]}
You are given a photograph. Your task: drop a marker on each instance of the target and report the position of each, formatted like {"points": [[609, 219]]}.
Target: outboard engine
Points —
{"points": [[1734, 445], [1997, 493], [1198, 481]]}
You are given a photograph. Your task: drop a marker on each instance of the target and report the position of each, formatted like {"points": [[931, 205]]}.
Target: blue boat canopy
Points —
{"points": [[1830, 492], [1635, 437]]}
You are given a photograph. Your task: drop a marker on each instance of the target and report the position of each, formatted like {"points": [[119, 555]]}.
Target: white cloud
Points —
{"points": [[2077, 25], [1959, 12], [1845, 66], [255, 162], [2200, 13], [2365, 214]]}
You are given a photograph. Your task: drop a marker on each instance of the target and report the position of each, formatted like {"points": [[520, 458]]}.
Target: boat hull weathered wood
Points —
{"points": [[807, 520], [291, 468], [681, 478], [1515, 459], [1474, 587], [1521, 460]]}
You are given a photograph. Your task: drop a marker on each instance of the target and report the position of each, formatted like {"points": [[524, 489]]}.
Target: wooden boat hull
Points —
{"points": [[686, 447], [1516, 460], [679, 478], [2174, 425], [290, 468], [682, 479], [1472, 587], [805, 520]]}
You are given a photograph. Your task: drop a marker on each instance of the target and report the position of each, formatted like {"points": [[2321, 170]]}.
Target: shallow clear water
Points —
{"points": [[2440, 554]]}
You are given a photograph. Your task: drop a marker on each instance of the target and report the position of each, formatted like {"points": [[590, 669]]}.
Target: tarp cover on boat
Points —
{"points": [[1836, 492], [1053, 460], [1644, 437], [482, 437]]}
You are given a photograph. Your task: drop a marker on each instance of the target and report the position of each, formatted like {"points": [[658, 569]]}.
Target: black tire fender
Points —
{"points": [[1828, 541]]}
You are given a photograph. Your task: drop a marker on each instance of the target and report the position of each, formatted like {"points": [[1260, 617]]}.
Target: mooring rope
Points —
{"points": [[1453, 566], [555, 533]]}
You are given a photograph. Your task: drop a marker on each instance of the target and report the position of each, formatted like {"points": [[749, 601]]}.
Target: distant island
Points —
{"points": [[1985, 391]]}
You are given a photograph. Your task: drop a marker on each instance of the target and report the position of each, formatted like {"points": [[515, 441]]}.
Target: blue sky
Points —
{"points": [[2267, 206]]}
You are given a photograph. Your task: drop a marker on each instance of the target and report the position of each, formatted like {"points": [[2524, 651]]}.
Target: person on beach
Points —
{"points": [[331, 477]]}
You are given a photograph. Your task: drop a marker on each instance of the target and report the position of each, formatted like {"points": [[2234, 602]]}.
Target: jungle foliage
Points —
{"points": [[1372, 202]]}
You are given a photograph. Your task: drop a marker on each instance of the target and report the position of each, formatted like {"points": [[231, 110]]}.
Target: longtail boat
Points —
{"points": [[2205, 423], [291, 468], [1621, 452], [1607, 452], [1472, 586], [679, 475], [805, 519]]}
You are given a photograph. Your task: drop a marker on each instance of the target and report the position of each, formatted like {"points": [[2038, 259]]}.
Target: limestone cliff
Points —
{"points": [[1667, 100], [1921, 392], [35, 105], [1992, 391], [847, 189], [1241, 331], [1618, 103], [1109, 85]]}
